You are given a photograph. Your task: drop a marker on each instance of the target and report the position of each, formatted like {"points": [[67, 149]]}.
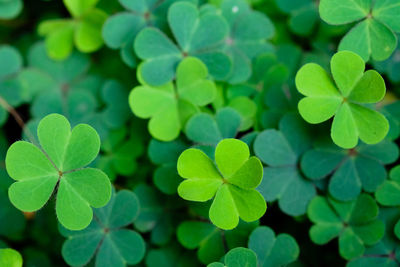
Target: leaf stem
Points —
{"points": [[17, 118]]}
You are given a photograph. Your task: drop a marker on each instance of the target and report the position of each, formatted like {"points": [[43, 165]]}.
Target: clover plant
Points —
{"points": [[374, 35], [355, 223], [56, 167], [106, 236], [169, 108], [231, 182], [156, 133], [83, 30], [343, 99]]}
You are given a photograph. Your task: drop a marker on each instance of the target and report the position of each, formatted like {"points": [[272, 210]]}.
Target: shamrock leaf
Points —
{"points": [[83, 30], [271, 250], [303, 15], [392, 114], [233, 183], [238, 257], [388, 193], [390, 66], [119, 153], [210, 240], [209, 130], [65, 87], [120, 30], [200, 36], [106, 236], [165, 155], [355, 223], [281, 150], [169, 108], [352, 120], [247, 37], [57, 167], [374, 36], [114, 96], [10, 258], [385, 253], [352, 170], [155, 214], [10, 88], [247, 109], [9, 9]]}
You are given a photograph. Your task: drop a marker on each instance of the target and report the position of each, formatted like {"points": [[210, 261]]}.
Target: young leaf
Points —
{"points": [[106, 236], [271, 250], [355, 223], [83, 30], [169, 108], [352, 120], [233, 183], [10, 258], [57, 167]]}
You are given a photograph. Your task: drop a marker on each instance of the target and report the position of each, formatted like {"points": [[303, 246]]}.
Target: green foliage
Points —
{"points": [[162, 55], [238, 257], [83, 30], [10, 258], [281, 150], [361, 168], [352, 120], [106, 236], [57, 167], [169, 108], [233, 183], [374, 36], [9, 9], [209, 240], [273, 250], [115, 139], [355, 223], [303, 15]]}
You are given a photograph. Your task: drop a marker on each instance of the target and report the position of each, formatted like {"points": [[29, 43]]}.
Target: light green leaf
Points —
{"points": [[344, 11], [10, 258]]}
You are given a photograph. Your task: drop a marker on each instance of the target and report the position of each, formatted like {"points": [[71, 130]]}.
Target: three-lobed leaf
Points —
{"points": [[58, 167], [232, 181]]}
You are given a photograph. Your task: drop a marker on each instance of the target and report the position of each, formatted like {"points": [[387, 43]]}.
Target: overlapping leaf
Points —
{"points": [[82, 31], [271, 250], [354, 170], [209, 240], [281, 150], [355, 223], [233, 183], [169, 108], [106, 236], [200, 36]]}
